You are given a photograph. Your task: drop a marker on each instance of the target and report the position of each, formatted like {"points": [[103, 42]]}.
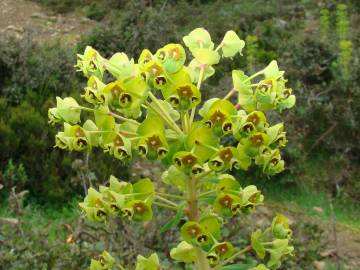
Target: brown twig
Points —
{"points": [[321, 138]]}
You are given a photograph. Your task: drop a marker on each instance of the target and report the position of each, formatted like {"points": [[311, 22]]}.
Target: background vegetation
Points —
{"points": [[316, 42]]}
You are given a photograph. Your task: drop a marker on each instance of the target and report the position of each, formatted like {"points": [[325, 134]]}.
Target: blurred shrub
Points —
{"points": [[14, 175], [31, 75], [29, 70], [61, 5]]}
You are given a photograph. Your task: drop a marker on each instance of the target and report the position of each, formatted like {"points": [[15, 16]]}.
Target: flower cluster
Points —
{"points": [[274, 241], [120, 199], [106, 262], [148, 109]]}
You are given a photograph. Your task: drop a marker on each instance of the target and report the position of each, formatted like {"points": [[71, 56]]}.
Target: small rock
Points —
{"points": [[318, 210], [14, 29], [327, 253], [319, 265]]}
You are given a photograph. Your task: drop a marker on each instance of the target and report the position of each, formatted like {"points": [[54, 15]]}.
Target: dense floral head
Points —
{"points": [[149, 108]]}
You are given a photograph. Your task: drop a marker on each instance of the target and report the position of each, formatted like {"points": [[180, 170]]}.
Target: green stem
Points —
{"points": [[230, 93], [201, 75], [253, 76], [207, 146], [183, 122], [123, 118], [165, 206], [166, 200], [170, 195], [164, 114], [193, 214], [187, 122], [207, 193], [83, 108], [166, 120], [237, 254], [219, 47], [109, 113], [127, 133], [100, 131], [204, 174]]}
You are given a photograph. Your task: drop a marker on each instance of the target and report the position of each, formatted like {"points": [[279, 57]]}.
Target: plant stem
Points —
{"points": [[253, 76], [237, 254], [187, 121], [165, 206], [82, 108], [230, 93], [127, 133], [170, 195], [159, 113], [123, 118], [219, 47], [207, 193], [166, 200], [109, 113], [201, 75], [193, 214], [165, 115]]}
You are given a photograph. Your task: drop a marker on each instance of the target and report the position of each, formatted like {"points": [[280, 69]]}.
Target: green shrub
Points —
{"points": [[30, 76]]}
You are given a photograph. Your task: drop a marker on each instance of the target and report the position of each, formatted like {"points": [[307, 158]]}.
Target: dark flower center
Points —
{"points": [[257, 140], [185, 91], [226, 201], [226, 154], [217, 117]]}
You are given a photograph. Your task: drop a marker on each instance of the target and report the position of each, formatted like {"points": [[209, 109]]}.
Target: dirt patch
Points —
{"points": [[19, 18], [345, 243]]}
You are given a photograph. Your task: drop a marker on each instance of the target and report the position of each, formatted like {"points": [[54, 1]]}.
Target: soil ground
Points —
{"points": [[20, 17]]}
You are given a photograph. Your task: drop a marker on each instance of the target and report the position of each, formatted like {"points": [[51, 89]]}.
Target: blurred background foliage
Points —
{"points": [[315, 42]]}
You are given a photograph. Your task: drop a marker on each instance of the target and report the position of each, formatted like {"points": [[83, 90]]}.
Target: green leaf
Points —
{"points": [[236, 267], [232, 44], [184, 252], [174, 176], [201, 135], [194, 69], [90, 63], [272, 71], [172, 56], [103, 120], [212, 224], [106, 261], [174, 114], [286, 103], [198, 38], [143, 186], [207, 105], [280, 227], [260, 267], [120, 66], [140, 211], [206, 56], [228, 183], [243, 85], [174, 221], [280, 248], [68, 109], [257, 244], [151, 263]]}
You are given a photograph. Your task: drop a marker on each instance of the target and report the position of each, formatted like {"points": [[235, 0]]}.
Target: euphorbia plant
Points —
{"points": [[149, 110]]}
